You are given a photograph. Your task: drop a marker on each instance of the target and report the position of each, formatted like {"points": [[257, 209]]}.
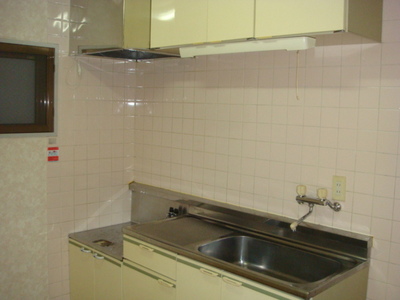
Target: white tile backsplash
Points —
{"points": [[240, 135]]}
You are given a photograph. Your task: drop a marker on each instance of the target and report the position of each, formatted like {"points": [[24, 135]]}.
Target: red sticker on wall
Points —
{"points": [[52, 154]]}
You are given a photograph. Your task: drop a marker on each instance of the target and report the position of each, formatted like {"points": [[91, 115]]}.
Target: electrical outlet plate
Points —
{"points": [[339, 188]]}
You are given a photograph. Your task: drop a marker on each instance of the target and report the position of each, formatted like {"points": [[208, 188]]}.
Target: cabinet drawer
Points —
{"points": [[197, 281], [237, 288], [149, 256], [143, 284]]}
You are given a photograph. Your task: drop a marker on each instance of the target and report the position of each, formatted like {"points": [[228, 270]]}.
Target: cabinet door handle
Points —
{"points": [[84, 250], [97, 256], [146, 248], [232, 282], [164, 283], [208, 272]]}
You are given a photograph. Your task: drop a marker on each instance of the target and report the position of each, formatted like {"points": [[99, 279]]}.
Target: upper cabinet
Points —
{"points": [[137, 20], [294, 17], [178, 22], [188, 22], [185, 22], [230, 20], [312, 17]]}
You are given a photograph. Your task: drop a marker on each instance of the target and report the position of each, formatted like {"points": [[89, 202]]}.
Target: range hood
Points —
{"points": [[289, 44], [113, 28], [132, 54], [121, 29]]}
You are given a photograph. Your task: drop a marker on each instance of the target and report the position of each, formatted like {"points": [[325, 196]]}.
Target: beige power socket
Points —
{"points": [[339, 188]]}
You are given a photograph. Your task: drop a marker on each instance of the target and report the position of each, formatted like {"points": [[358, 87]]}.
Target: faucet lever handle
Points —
{"points": [[322, 193], [301, 190]]}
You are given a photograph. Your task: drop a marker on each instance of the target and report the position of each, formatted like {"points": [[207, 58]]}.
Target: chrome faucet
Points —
{"points": [[301, 198], [294, 225]]}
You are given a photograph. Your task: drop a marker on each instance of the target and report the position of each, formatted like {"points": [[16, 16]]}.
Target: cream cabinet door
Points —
{"points": [[294, 17], [93, 275], [151, 257], [197, 281], [140, 283], [178, 22], [81, 270], [230, 20], [107, 283], [239, 288]]}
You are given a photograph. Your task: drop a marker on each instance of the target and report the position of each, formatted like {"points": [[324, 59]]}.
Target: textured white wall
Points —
{"points": [[23, 180], [23, 230], [22, 21]]}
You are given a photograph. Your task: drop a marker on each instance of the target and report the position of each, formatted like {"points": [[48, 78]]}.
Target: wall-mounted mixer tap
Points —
{"points": [[294, 225], [321, 199]]}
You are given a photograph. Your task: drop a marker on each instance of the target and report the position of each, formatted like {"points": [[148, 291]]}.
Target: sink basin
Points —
{"points": [[279, 261]]}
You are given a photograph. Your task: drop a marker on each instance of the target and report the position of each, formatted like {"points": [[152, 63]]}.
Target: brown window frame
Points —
{"points": [[44, 58]]}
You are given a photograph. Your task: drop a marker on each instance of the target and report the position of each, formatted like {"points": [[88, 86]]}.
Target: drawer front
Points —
{"points": [[197, 281], [151, 257], [142, 284], [237, 288]]}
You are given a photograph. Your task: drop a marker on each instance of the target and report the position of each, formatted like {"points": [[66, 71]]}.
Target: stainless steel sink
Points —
{"points": [[279, 261], [304, 263]]}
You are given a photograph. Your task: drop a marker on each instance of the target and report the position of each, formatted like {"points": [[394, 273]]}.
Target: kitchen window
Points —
{"points": [[26, 88]]}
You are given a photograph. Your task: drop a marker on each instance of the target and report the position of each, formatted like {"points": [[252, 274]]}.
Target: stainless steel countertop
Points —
{"points": [[149, 208], [111, 233], [183, 235]]}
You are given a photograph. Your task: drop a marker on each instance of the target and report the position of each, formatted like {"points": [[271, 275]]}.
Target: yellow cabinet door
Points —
{"points": [[93, 275], [230, 20], [108, 278], [137, 14], [197, 281], [81, 269], [151, 257], [139, 283], [295, 17], [238, 288], [178, 22]]}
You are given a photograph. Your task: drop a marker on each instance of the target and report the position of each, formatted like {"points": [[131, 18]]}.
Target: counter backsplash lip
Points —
{"points": [[144, 194]]}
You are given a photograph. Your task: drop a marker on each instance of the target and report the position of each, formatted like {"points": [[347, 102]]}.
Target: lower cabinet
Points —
{"points": [[237, 288], [148, 272], [152, 273], [143, 284], [197, 281], [149, 256], [93, 275]]}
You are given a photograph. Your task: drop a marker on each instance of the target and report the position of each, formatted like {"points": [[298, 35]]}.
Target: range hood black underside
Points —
{"points": [[129, 54]]}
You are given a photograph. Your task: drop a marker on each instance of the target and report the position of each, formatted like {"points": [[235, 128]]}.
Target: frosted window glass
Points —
{"points": [[17, 91]]}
